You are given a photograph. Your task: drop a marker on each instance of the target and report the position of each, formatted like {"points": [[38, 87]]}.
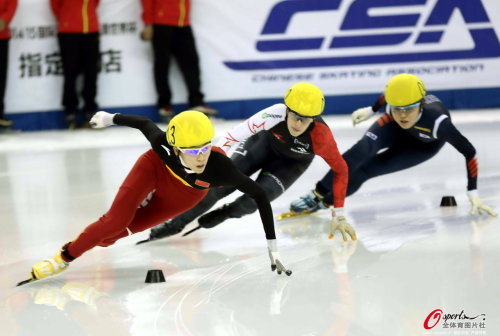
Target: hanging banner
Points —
{"points": [[348, 47], [253, 50]]}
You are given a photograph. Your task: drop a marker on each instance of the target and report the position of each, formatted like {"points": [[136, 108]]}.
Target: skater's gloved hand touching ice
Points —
{"points": [[477, 205], [361, 115], [339, 222], [102, 119], [275, 257]]}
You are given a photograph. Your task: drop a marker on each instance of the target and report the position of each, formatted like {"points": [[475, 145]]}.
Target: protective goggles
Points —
{"points": [[404, 109], [298, 117], [197, 151]]}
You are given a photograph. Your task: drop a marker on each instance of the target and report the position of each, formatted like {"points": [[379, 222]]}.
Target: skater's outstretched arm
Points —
{"points": [[104, 119]]}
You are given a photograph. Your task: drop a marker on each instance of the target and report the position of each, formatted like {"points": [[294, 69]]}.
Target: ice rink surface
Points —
{"points": [[412, 257]]}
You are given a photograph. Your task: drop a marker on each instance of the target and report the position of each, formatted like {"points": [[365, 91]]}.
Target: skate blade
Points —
{"points": [[191, 231], [291, 214], [24, 282], [143, 241]]}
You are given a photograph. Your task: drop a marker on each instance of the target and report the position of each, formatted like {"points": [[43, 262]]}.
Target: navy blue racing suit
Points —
{"points": [[387, 148]]}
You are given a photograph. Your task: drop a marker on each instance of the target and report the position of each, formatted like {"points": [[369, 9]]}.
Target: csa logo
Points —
{"points": [[374, 23]]}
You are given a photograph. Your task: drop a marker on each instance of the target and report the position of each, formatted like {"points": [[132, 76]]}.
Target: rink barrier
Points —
{"points": [[242, 109]]}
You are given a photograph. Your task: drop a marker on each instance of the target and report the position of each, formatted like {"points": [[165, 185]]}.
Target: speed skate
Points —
{"points": [[293, 214]]}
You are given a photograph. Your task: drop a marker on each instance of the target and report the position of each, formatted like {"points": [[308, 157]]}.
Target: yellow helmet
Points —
{"points": [[189, 129], [306, 99], [404, 89]]}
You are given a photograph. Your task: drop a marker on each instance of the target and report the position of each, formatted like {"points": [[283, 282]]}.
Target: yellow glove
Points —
{"points": [[477, 204], [361, 114], [339, 222]]}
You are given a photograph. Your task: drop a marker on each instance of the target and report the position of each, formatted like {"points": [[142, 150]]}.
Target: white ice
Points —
{"points": [[412, 256]]}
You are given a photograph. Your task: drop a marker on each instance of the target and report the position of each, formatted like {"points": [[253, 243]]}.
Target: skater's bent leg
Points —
{"points": [[356, 158], [324, 186], [382, 134], [392, 160], [137, 185], [274, 180], [113, 224]]}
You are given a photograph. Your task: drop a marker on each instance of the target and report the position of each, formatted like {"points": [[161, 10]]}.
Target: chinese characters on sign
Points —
{"points": [[50, 64], [50, 31], [32, 33], [118, 28], [38, 64]]}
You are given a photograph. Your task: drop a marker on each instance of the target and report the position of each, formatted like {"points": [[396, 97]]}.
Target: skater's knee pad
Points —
{"points": [[242, 206], [272, 185]]}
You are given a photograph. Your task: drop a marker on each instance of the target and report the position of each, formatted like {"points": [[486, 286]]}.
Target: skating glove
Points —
{"points": [[102, 119], [477, 204], [361, 114], [339, 222], [275, 257]]}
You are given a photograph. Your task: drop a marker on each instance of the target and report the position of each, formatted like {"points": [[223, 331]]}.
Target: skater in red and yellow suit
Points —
{"points": [[165, 181]]}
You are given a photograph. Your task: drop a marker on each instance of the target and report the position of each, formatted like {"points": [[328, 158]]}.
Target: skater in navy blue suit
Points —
{"points": [[414, 128]]}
